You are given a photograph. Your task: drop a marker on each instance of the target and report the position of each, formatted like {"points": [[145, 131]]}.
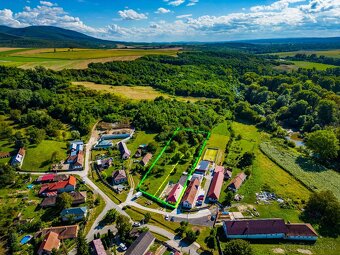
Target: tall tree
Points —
{"points": [[324, 143], [238, 247], [82, 245]]}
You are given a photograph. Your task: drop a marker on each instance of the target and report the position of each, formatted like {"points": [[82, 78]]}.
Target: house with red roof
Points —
{"points": [[175, 193], [301, 232], [46, 178], [188, 200], [237, 182], [51, 241], [215, 186], [97, 247], [52, 189], [146, 159]]}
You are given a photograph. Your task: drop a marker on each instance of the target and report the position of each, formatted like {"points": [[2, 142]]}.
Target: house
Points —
{"points": [[119, 177], [227, 173], [255, 229], [175, 193], [124, 151], [138, 153], [236, 183], [18, 159], [64, 232], [48, 202], [141, 245], [60, 177], [76, 146], [52, 189], [215, 187], [78, 197], [146, 159], [103, 144], [188, 200], [51, 241], [46, 178], [301, 232], [78, 163], [97, 247], [104, 163], [74, 214], [202, 167]]}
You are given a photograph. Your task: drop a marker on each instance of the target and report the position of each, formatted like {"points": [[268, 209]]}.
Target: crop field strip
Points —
{"points": [[192, 169], [315, 178]]}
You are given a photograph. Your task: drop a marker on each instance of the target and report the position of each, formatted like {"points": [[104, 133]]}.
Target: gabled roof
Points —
{"points": [[48, 201], [78, 197], [141, 245], [119, 175], [175, 193], [50, 242], [146, 158], [64, 232], [203, 165], [99, 247], [191, 192], [46, 177], [51, 187], [300, 230], [123, 148], [216, 186], [219, 169], [22, 152], [80, 158], [74, 211], [255, 227], [238, 180]]}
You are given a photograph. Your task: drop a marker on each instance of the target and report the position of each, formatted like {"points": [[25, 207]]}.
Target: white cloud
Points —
{"points": [[46, 3], [162, 10], [131, 14], [183, 16], [175, 2], [192, 2]]}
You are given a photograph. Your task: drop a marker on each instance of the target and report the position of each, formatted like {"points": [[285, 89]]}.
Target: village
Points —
{"points": [[184, 181]]}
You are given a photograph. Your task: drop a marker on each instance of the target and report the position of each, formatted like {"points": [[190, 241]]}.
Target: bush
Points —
{"points": [[238, 247]]}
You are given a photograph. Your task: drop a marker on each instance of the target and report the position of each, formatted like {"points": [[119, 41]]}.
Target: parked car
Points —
{"points": [[200, 198], [172, 219], [167, 217], [122, 247], [136, 224], [138, 194], [199, 203]]}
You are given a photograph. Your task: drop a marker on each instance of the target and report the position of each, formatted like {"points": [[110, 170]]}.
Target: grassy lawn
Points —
{"points": [[134, 92], [38, 158], [323, 246], [94, 214], [156, 219]]}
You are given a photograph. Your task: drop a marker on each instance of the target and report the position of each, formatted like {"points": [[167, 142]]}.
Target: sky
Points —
{"points": [[179, 20]]}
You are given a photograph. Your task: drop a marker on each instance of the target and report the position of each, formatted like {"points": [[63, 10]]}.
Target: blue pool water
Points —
{"points": [[30, 186], [26, 239]]}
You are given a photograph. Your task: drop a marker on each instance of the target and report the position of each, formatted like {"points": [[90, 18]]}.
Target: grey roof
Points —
{"points": [[141, 245]]}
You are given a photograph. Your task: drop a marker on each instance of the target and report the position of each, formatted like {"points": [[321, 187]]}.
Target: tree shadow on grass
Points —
{"points": [[44, 164], [309, 165]]}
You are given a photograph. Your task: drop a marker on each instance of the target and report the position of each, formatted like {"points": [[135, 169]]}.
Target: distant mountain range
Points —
{"points": [[49, 37]]}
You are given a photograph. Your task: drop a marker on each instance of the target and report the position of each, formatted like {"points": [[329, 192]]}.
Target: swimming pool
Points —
{"points": [[26, 239], [30, 186]]}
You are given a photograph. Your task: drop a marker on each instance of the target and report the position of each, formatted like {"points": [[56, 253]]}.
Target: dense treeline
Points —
{"points": [[311, 58]]}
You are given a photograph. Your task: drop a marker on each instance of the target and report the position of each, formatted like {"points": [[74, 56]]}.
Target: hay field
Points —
{"points": [[134, 92], [327, 53]]}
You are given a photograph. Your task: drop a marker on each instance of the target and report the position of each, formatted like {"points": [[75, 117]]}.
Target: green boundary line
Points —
{"points": [[157, 199]]}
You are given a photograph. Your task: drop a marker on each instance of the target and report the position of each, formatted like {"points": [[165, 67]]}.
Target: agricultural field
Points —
{"points": [[64, 58], [38, 157], [181, 154], [134, 92], [311, 174], [263, 172], [302, 64], [327, 53]]}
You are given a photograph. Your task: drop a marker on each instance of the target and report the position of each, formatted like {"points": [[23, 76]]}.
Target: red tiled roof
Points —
{"points": [[238, 180], [216, 185], [219, 169], [50, 242], [47, 177], [146, 158], [80, 158], [300, 230], [175, 193], [64, 232], [119, 175], [254, 227], [99, 247], [52, 187], [22, 151], [191, 191]]}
